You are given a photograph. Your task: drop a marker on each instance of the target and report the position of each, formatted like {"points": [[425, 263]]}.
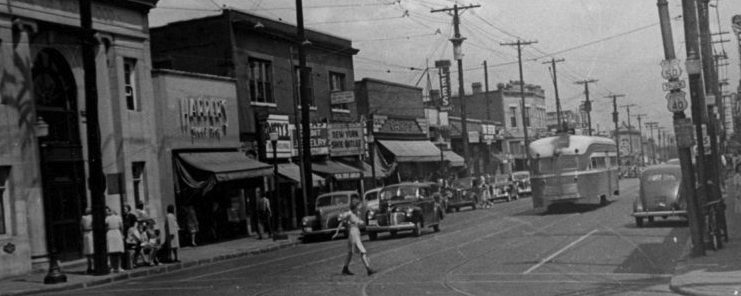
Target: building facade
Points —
{"points": [[535, 119], [43, 150]]}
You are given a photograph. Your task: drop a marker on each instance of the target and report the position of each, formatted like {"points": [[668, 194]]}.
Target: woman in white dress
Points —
{"points": [[172, 236], [86, 223], [352, 223], [114, 238]]}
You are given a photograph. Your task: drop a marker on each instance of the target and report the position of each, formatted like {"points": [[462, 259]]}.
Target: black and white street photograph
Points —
{"points": [[370, 147]]}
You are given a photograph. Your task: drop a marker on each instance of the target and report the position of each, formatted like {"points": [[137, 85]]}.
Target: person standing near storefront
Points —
{"points": [[172, 236], [86, 223], [129, 220], [192, 222], [114, 239], [264, 214]]}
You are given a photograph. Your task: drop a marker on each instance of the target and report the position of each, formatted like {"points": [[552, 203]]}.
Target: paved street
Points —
{"points": [[505, 250]]}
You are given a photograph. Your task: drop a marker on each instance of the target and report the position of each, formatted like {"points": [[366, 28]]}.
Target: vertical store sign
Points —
{"points": [[445, 92], [281, 125]]}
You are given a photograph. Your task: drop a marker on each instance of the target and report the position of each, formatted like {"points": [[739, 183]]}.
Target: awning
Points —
{"points": [[199, 172], [336, 170], [454, 159], [412, 151], [292, 172]]}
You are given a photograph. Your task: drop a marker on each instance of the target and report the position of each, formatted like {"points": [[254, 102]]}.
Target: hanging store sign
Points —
{"points": [[318, 139], [281, 125], [346, 176], [445, 91], [204, 117], [345, 139], [341, 97]]}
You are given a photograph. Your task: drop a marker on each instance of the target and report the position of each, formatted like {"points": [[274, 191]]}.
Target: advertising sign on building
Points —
{"points": [[279, 124], [473, 136], [345, 139], [397, 126], [488, 132], [318, 138], [445, 91], [204, 117], [342, 97]]}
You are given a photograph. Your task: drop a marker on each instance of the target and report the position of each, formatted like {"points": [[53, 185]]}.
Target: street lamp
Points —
{"points": [[274, 143]]}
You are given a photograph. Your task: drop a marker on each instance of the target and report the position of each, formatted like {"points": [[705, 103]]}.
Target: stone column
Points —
{"points": [[28, 177]]}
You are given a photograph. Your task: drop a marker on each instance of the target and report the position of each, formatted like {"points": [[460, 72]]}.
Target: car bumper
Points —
{"points": [[457, 204], [386, 228], [660, 213], [307, 231]]}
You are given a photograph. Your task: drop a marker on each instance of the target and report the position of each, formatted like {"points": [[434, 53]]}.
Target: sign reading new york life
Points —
{"points": [[203, 117]]}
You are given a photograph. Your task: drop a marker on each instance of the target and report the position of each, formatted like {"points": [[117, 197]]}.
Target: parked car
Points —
{"points": [[371, 199], [521, 181], [659, 194], [463, 194], [327, 207], [405, 206], [503, 188]]}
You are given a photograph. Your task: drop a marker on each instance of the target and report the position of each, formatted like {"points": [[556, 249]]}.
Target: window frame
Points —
{"points": [[513, 118], [266, 78], [131, 84], [139, 181], [338, 108]]}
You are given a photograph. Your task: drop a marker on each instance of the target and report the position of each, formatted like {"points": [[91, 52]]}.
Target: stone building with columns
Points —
{"points": [[43, 143]]}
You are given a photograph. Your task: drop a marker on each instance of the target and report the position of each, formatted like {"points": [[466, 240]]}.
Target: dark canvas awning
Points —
{"points": [[336, 170], [412, 151], [293, 172], [454, 159], [201, 171]]}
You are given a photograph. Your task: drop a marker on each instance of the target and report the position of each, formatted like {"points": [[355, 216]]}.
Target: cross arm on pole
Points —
{"points": [[447, 9]]}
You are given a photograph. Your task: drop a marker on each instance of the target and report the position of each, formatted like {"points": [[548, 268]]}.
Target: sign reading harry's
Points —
{"points": [[203, 117]]}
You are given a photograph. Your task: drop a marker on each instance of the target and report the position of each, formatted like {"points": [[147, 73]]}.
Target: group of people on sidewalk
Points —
{"points": [[133, 240]]}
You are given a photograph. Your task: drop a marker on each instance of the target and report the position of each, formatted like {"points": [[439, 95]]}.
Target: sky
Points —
{"points": [[616, 42]]}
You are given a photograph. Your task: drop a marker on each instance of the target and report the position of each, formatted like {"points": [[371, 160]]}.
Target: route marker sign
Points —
{"points": [[673, 85], [671, 69], [676, 101]]}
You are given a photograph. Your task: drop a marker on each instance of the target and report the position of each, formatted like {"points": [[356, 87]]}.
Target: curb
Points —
{"points": [[681, 267], [162, 269]]}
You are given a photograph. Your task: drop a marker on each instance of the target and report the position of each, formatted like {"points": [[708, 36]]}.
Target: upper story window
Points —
{"points": [[513, 116], [261, 81], [139, 181], [310, 85], [130, 84], [337, 83], [4, 202], [527, 116]]}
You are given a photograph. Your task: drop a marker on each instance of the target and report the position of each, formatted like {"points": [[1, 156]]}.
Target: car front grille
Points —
{"points": [[396, 218]]}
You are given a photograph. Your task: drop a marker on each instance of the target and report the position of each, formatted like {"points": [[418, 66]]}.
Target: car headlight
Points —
{"points": [[371, 214], [409, 212], [639, 206]]}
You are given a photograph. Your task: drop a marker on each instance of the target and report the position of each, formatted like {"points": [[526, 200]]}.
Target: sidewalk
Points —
{"points": [[718, 272], [189, 256]]}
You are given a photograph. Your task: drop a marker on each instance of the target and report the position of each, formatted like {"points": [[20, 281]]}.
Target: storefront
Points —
{"points": [[213, 182], [405, 142]]}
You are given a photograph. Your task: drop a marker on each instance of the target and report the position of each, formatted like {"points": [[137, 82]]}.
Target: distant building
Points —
{"points": [[535, 118]]}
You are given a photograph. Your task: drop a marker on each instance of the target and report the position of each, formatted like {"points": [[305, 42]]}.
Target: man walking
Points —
{"points": [[264, 214]]}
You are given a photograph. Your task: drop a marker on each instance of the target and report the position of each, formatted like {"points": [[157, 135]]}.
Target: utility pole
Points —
{"points": [[697, 95], [713, 98], [615, 120], [457, 41], [305, 96], [525, 119], [640, 131], [651, 125], [587, 103], [630, 128], [95, 166], [561, 125], [486, 91]]}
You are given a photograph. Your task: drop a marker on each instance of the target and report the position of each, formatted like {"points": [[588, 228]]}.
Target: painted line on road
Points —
{"points": [[549, 258], [170, 288]]}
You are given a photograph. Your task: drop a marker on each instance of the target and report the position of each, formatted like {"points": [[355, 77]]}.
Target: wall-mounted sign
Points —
{"points": [[203, 117], [399, 126], [342, 97], [473, 136], [445, 91], [281, 125], [318, 139], [345, 139]]}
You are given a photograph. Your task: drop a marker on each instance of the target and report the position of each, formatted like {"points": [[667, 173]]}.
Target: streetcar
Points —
{"points": [[572, 169]]}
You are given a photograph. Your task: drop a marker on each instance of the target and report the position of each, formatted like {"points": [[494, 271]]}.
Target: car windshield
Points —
{"points": [[661, 177], [400, 192], [332, 200], [371, 196], [463, 182]]}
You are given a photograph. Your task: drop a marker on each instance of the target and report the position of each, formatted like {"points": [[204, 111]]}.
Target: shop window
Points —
{"points": [[130, 87], [310, 85], [4, 200], [261, 81], [138, 178], [513, 116], [337, 83]]}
